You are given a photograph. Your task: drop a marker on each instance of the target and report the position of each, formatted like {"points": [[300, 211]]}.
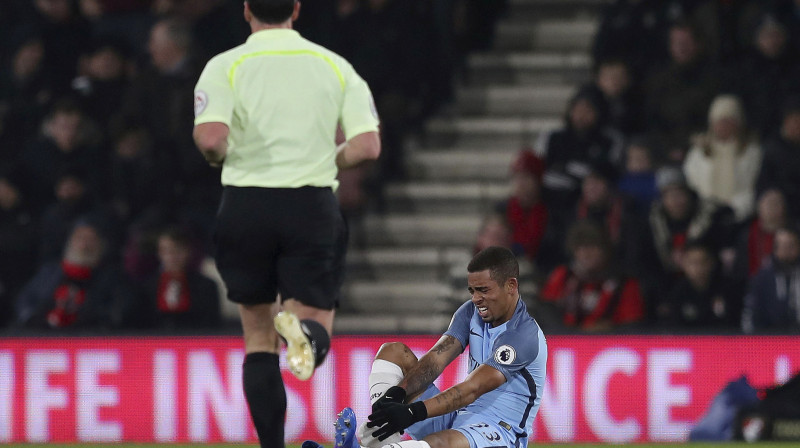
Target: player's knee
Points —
{"points": [[397, 353]]}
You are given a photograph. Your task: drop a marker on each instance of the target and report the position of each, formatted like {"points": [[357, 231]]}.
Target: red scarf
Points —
{"points": [[527, 225], [585, 303], [759, 247], [69, 295], [173, 293]]}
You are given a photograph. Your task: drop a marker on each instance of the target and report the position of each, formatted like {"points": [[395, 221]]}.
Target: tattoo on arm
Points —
{"points": [[451, 400], [431, 365]]}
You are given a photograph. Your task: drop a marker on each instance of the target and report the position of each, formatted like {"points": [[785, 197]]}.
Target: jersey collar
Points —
{"points": [[273, 34]]}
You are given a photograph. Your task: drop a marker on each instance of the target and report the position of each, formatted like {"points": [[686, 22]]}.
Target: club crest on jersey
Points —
{"points": [[200, 102], [505, 354]]}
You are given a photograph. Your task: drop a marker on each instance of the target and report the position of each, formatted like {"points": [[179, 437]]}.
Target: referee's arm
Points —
{"points": [[212, 141], [360, 148]]}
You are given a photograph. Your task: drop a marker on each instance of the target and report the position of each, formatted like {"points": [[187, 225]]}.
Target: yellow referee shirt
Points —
{"points": [[282, 97]]}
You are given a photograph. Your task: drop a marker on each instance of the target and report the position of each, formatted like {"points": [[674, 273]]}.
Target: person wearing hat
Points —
{"points": [[723, 163], [585, 138], [677, 216]]}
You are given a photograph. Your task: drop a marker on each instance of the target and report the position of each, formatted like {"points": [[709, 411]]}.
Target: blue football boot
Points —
{"points": [[345, 429]]}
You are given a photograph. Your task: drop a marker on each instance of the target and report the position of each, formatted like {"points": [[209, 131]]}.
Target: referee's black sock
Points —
{"points": [[266, 397], [320, 340]]}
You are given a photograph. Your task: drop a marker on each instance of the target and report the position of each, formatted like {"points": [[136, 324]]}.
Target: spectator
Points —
{"points": [[629, 28], [677, 95], [18, 234], [781, 163], [179, 296], [494, 231], [614, 80], [64, 33], [678, 216], [638, 181], [773, 299], [524, 212], [102, 78], [724, 26], [125, 20], [724, 161], [756, 240], [589, 292], [67, 140], [769, 74], [702, 299], [84, 289], [584, 139], [160, 99]]}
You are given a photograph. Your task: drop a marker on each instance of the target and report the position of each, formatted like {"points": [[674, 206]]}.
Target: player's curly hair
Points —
{"points": [[272, 11], [501, 263]]}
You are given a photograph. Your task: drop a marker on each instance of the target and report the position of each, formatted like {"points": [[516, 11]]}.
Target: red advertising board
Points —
{"points": [[599, 389]]}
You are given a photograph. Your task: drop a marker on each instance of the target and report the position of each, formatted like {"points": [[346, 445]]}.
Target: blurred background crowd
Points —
{"points": [[668, 198], [106, 206]]}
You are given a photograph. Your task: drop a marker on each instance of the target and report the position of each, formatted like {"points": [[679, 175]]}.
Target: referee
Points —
{"points": [[267, 111]]}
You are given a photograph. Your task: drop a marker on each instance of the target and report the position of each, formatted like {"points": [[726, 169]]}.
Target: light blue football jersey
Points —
{"points": [[517, 349]]}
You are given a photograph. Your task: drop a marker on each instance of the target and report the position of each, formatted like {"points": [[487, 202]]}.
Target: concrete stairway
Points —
{"points": [[409, 276]]}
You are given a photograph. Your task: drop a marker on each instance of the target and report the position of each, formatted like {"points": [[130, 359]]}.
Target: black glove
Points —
{"points": [[394, 394], [396, 417]]}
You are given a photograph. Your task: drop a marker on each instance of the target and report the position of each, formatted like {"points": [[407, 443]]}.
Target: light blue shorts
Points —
{"points": [[481, 431]]}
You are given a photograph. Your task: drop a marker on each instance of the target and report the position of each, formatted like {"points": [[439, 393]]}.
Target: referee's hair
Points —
{"points": [[272, 11], [501, 263]]}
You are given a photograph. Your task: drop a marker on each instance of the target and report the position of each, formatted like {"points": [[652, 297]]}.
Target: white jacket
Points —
{"points": [[723, 173]]}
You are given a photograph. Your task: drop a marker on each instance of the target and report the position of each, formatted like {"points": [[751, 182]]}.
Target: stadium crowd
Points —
{"points": [[106, 205], [669, 197]]}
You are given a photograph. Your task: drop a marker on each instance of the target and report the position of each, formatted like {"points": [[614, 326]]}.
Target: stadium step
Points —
{"points": [[462, 163], [402, 297], [489, 130], [500, 101], [412, 263], [470, 197], [411, 229], [528, 68], [408, 276], [549, 35]]}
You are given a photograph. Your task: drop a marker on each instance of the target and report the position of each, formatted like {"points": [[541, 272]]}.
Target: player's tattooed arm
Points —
{"points": [[480, 381], [431, 365]]}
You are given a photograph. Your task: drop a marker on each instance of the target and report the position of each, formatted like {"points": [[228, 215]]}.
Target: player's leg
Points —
{"points": [[244, 258], [261, 373], [310, 274]]}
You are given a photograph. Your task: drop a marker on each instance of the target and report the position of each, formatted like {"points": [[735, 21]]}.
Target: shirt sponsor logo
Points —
{"points": [[505, 354]]}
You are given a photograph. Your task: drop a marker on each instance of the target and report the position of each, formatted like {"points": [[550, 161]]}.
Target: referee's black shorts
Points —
{"points": [[287, 240]]}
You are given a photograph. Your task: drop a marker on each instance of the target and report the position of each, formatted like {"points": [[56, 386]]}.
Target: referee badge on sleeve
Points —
{"points": [[200, 102], [505, 354]]}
